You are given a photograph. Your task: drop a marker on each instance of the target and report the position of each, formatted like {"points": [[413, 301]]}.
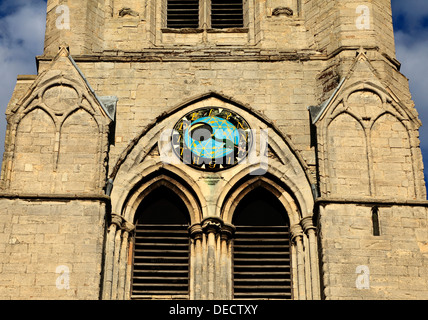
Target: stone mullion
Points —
{"points": [[210, 261], [370, 164], [211, 228], [211, 264]]}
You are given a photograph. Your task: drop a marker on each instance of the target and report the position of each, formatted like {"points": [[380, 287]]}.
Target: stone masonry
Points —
{"points": [[84, 146]]}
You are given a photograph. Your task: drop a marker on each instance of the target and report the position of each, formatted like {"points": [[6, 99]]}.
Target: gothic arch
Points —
{"points": [[242, 189], [392, 152], [150, 135], [124, 195], [143, 166], [167, 180], [387, 103], [33, 152], [61, 92], [347, 156], [304, 245], [122, 225]]}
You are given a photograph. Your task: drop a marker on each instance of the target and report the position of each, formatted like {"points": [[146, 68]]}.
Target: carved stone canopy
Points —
{"points": [[282, 11]]}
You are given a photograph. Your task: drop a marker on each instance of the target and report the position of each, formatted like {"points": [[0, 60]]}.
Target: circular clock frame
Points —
{"points": [[212, 139]]}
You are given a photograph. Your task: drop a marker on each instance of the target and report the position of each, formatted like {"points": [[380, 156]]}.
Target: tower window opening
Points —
{"points": [[227, 14], [375, 221], [223, 14], [161, 254], [261, 249], [183, 14]]}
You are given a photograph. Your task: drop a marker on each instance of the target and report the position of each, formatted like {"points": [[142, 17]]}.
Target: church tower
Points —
{"points": [[212, 149]]}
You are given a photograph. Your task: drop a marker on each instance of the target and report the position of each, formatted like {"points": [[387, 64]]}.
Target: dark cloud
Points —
{"points": [[410, 15]]}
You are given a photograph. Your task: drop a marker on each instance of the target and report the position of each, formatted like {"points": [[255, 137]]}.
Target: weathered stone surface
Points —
{"points": [[355, 151]]}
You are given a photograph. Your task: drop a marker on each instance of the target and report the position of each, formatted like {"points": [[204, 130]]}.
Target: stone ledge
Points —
{"points": [[371, 202], [56, 197], [245, 53]]}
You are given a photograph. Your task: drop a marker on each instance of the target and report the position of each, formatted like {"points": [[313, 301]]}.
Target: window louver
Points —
{"points": [[227, 14], [262, 264], [183, 14], [161, 262]]}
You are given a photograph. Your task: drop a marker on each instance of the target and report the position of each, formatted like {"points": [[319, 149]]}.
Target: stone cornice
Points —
{"points": [[371, 202], [215, 54]]}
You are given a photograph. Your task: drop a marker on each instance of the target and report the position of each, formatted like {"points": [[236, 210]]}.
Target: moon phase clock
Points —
{"points": [[211, 138]]}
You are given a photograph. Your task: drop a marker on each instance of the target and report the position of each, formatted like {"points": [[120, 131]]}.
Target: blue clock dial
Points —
{"points": [[211, 138]]}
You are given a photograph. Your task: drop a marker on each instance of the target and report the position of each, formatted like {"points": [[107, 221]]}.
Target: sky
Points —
{"points": [[22, 27]]}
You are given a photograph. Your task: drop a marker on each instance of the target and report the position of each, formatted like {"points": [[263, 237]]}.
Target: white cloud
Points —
{"points": [[412, 52], [21, 39]]}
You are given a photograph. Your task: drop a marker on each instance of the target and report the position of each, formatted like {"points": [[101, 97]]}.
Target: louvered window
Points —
{"points": [[186, 14], [183, 14], [227, 14], [261, 249], [161, 248]]}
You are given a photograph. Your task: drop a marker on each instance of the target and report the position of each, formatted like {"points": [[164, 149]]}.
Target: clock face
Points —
{"points": [[211, 138]]}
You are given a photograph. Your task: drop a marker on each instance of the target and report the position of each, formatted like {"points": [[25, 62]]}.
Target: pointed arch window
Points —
{"points": [[161, 250], [261, 248]]}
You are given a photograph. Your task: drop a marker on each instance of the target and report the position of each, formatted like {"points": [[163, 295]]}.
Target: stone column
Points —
{"points": [[116, 222], [225, 276], [127, 228], [309, 229], [211, 228], [196, 262], [117, 247], [211, 260], [297, 242]]}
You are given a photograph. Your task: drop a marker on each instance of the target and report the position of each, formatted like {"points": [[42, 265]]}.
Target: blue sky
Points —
{"points": [[22, 24]]}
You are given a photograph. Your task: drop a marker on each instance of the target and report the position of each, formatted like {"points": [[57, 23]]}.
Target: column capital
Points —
{"points": [[116, 220], [227, 231], [195, 231], [127, 226], [307, 223], [296, 231], [212, 224]]}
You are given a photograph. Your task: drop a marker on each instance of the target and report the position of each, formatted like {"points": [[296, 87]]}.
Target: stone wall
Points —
{"points": [[325, 26], [51, 249], [358, 265], [362, 149], [281, 91]]}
